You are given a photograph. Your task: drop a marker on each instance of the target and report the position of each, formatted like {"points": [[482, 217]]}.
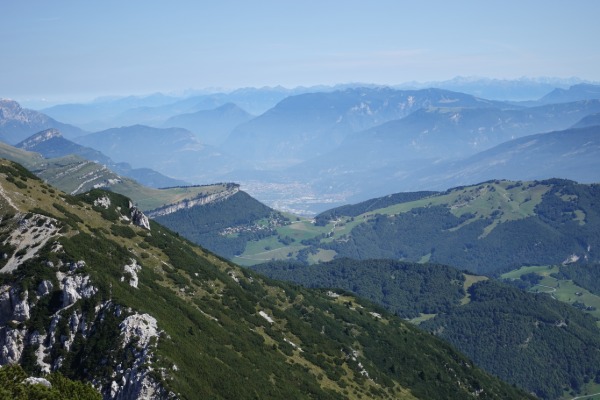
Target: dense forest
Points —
{"points": [[529, 340], [406, 289], [489, 228]]}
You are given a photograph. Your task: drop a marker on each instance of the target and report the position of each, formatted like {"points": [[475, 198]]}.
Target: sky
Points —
{"points": [[63, 50]]}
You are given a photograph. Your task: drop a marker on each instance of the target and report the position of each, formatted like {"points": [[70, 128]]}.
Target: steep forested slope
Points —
{"points": [[530, 340]]}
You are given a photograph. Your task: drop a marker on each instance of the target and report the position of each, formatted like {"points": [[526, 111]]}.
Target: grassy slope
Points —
{"points": [[25, 158], [561, 289]]}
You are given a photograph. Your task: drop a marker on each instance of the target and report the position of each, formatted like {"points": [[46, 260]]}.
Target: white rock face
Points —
{"points": [[573, 258], [17, 307], [233, 276], [139, 218], [12, 345], [136, 386], [6, 309], [29, 238], [114, 389], [20, 306], [266, 316], [142, 326], [294, 345], [137, 333], [76, 265], [13, 305], [200, 200], [44, 288], [132, 269], [37, 381], [75, 288], [136, 382], [38, 340], [102, 202]]}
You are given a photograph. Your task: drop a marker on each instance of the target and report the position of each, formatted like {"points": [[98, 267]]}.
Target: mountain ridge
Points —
{"points": [[75, 175], [569, 154], [158, 148], [322, 120], [418, 151], [51, 144], [211, 126]]}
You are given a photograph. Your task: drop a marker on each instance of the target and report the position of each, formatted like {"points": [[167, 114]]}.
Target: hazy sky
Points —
{"points": [[81, 49]]}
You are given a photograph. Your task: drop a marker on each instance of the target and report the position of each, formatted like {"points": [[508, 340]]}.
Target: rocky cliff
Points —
{"points": [[41, 324], [203, 199]]}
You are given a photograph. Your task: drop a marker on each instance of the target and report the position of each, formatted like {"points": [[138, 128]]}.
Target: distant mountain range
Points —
{"points": [[155, 109], [17, 123], [518, 90], [578, 92], [572, 154], [51, 144], [305, 126], [320, 147], [590, 120], [413, 152]]}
